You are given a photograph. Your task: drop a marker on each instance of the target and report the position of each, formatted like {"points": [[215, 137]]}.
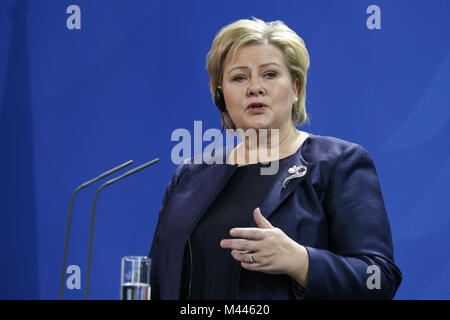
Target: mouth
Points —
{"points": [[256, 108], [256, 105]]}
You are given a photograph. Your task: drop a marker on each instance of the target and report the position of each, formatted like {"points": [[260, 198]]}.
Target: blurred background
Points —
{"points": [[77, 102]]}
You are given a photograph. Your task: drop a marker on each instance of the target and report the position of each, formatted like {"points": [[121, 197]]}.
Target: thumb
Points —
{"points": [[261, 222]]}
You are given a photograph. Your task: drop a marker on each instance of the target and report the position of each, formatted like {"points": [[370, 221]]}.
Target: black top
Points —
{"points": [[215, 273]]}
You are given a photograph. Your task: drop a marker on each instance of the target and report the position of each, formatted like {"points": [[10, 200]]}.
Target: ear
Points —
{"points": [[296, 86]]}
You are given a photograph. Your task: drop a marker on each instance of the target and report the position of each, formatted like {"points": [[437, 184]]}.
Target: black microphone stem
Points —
{"points": [[69, 218], [91, 236]]}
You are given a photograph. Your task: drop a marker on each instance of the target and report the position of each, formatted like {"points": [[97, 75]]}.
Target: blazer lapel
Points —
{"points": [[278, 193], [221, 173]]}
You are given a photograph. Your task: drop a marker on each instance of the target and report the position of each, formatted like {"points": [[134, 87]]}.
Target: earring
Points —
{"points": [[296, 99]]}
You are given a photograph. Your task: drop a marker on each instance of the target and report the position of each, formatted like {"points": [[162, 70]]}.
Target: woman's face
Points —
{"points": [[259, 75]]}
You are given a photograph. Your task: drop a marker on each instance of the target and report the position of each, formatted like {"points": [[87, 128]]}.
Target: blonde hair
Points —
{"points": [[255, 31]]}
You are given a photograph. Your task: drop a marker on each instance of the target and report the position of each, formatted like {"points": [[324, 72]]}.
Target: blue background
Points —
{"points": [[74, 103]]}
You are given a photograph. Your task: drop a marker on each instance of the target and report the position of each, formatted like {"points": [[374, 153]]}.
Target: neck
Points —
{"points": [[264, 145]]}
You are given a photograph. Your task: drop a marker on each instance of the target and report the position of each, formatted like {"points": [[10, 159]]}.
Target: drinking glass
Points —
{"points": [[135, 278]]}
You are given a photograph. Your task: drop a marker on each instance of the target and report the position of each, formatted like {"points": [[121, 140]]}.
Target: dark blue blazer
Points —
{"points": [[336, 210]]}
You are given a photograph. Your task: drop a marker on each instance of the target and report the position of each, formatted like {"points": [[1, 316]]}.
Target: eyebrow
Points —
{"points": [[263, 65]]}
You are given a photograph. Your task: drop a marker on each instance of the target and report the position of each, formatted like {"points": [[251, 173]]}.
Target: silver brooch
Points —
{"points": [[295, 172]]}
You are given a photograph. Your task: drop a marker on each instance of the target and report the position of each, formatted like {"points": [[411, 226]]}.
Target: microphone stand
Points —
{"points": [[91, 236], [69, 218]]}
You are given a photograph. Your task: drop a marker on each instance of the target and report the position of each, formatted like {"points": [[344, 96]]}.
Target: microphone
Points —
{"points": [[91, 236], [69, 218]]}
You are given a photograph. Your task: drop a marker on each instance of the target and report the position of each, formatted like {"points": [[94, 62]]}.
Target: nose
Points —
{"points": [[255, 88]]}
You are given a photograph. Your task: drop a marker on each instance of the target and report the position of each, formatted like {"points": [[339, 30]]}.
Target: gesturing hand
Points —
{"points": [[273, 251]]}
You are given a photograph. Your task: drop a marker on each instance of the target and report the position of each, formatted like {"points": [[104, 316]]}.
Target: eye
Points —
{"points": [[238, 78], [271, 75]]}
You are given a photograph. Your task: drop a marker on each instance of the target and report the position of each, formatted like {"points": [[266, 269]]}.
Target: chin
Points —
{"points": [[258, 125]]}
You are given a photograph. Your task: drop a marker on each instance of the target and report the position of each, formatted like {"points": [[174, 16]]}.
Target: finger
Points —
{"points": [[244, 257], [248, 233], [253, 266], [238, 244], [260, 221], [241, 256]]}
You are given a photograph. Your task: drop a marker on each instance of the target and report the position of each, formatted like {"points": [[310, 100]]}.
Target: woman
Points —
{"points": [[316, 228]]}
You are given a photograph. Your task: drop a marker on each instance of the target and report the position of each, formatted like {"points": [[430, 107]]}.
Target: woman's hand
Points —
{"points": [[273, 251]]}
